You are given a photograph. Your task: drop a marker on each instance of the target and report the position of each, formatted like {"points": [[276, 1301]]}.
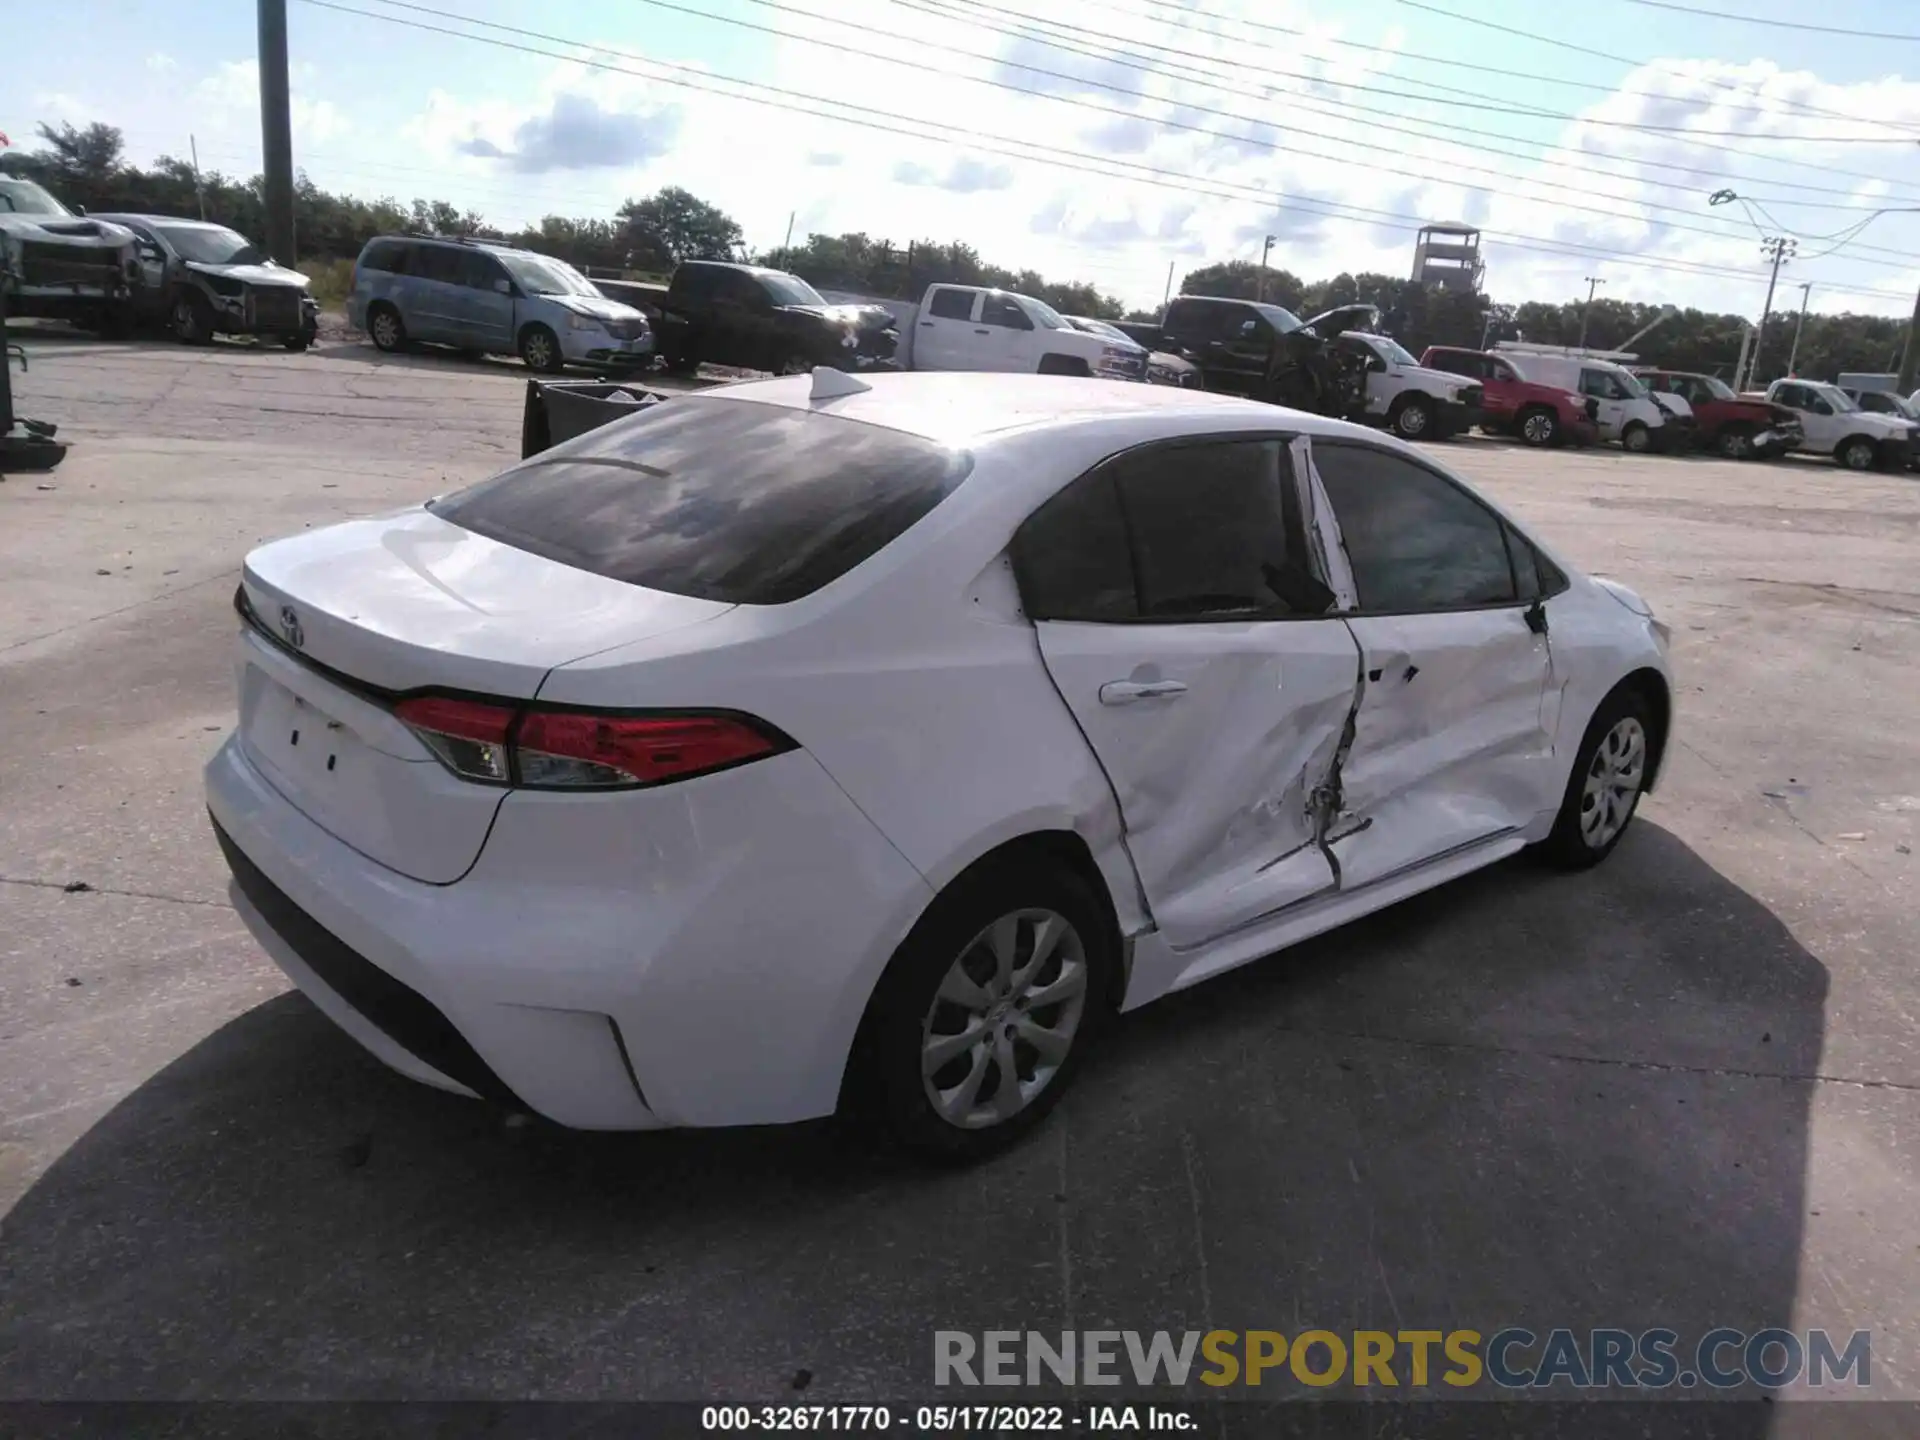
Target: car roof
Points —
{"points": [[955, 407]]}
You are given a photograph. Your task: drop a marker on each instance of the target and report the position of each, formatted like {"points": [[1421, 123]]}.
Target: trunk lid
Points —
{"points": [[343, 620]]}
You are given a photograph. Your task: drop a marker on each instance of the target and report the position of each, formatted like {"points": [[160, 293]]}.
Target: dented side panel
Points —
{"points": [[1216, 738], [1450, 745]]}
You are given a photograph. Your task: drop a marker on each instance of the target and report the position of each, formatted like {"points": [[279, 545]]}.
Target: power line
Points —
{"points": [[893, 123], [1728, 85], [1894, 258], [1773, 24], [969, 10], [1560, 81]]}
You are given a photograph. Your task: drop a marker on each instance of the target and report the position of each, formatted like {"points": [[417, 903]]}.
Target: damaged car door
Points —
{"points": [[1451, 747], [1178, 611]]}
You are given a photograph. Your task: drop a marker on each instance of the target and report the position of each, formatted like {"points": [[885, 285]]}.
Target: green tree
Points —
{"points": [[673, 225], [1245, 280]]}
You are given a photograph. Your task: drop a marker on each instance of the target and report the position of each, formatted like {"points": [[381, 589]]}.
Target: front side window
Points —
{"points": [[952, 304], [1600, 385], [1170, 533], [1005, 312], [212, 245], [719, 499], [1415, 540]]}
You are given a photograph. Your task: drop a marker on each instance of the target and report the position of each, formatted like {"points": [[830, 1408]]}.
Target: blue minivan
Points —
{"points": [[474, 295]]}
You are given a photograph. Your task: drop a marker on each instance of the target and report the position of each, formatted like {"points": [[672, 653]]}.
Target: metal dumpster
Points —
{"points": [[558, 410]]}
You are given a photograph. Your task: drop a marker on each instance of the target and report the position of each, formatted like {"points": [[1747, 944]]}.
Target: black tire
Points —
{"points": [[1063, 365], [296, 342], [1857, 453], [540, 350], [1636, 439], [190, 318], [1413, 418], [1572, 845], [1539, 427], [385, 328], [886, 1080], [1735, 442], [678, 363]]}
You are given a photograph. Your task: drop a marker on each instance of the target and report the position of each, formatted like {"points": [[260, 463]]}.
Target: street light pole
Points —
{"points": [[1265, 250], [1806, 289], [1780, 249], [1910, 356], [1593, 283]]}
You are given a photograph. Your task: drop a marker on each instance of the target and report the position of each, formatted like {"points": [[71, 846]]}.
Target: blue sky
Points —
{"points": [[1208, 124]]}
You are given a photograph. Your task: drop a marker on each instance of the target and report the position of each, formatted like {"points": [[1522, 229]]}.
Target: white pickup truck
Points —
{"points": [[971, 327], [1836, 426], [1402, 394]]}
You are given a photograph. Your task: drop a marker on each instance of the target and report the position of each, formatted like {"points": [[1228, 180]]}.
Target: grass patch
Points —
{"points": [[331, 280]]}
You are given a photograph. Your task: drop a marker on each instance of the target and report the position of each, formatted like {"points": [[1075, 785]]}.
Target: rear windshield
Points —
{"points": [[721, 499]]}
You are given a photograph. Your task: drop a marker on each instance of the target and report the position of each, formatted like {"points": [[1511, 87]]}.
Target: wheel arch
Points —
{"points": [[1064, 848], [1652, 687], [1054, 363]]}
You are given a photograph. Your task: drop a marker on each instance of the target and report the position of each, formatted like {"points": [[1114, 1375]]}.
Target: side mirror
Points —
{"points": [[503, 285], [79, 209]]}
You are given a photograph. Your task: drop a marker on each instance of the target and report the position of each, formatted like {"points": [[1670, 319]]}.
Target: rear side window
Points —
{"points": [[720, 499], [1416, 541], [1170, 533], [952, 304], [385, 255]]}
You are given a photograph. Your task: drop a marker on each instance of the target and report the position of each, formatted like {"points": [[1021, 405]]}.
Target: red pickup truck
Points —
{"points": [[1740, 428], [1513, 405]]}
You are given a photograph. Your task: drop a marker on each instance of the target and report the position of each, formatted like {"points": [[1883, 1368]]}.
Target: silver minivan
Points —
{"points": [[474, 295]]}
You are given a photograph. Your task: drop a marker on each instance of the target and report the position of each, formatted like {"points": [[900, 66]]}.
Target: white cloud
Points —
{"points": [[1195, 167], [229, 99], [161, 63]]}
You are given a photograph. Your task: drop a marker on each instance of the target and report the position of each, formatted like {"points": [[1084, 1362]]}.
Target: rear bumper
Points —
{"points": [[695, 955]]}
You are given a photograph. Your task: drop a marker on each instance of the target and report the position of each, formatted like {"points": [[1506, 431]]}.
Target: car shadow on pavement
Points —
{"points": [[1525, 1099]]}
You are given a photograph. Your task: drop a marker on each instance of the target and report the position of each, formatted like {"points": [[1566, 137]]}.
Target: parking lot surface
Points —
{"points": [[1682, 1090]]}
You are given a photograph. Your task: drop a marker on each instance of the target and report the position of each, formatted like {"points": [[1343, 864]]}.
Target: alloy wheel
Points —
{"points": [[1538, 428], [1614, 778], [538, 351], [1412, 421], [1004, 1018], [385, 330]]}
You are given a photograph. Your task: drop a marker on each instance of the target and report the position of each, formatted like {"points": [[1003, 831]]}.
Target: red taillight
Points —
{"points": [[571, 750], [557, 747]]}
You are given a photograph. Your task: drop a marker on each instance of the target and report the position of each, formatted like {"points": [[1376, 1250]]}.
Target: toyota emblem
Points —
{"points": [[290, 627]]}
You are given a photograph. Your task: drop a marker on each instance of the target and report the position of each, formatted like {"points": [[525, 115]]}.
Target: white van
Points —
{"points": [[1629, 413]]}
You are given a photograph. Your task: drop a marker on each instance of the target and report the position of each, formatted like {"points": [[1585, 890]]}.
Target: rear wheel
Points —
{"points": [[1857, 454], [1636, 439], [1609, 773], [1540, 427], [385, 328], [986, 1010], [1412, 418]]}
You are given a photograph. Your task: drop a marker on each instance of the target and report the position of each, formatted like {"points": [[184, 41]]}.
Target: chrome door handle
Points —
{"points": [[1125, 692]]}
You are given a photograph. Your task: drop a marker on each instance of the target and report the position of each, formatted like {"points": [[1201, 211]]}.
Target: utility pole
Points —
{"points": [[1779, 249], [276, 130], [1593, 283], [1265, 250], [199, 190], [1806, 289], [1167, 299], [1910, 355], [787, 244]]}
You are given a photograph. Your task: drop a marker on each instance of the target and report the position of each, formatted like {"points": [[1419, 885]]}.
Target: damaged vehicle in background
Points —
{"points": [[715, 312], [1266, 352], [945, 715], [1163, 367], [61, 266], [1737, 427], [200, 280]]}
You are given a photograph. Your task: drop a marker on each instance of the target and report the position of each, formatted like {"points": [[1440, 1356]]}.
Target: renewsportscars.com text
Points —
{"points": [[1509, 1359]]}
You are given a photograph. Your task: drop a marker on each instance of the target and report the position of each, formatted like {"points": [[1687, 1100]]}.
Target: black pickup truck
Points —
{"points": [[1265, 352], [753, 318]]}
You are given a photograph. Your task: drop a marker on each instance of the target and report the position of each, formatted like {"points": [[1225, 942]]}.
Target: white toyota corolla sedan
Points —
{"points": [[818, 743]]}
